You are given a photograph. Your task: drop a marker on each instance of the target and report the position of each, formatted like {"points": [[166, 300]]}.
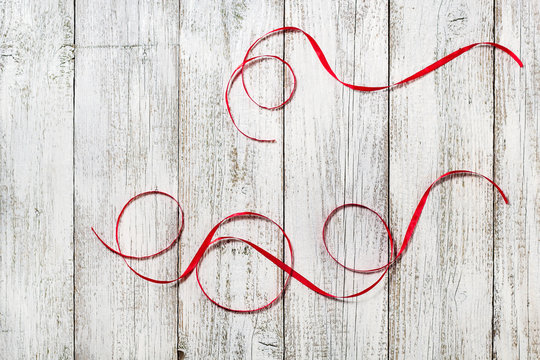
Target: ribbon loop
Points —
{"points": [[324, 62], [288, 269]]}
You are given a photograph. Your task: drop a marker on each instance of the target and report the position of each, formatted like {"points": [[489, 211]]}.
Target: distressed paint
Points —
{"points": [[36, 180], [335, 152], [222, 172], [516, 325], [105, 99], [126, 142], [441, 290]]}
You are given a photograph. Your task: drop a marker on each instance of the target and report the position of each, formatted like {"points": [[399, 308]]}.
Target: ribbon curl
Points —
{"points": [[291, 273], [322, 59]]}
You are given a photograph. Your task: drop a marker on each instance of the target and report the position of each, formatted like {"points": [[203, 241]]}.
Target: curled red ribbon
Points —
{"points": [[322, 58], [209, 241]]}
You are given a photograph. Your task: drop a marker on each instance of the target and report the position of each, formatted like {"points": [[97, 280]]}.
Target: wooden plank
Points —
{"points": [[126, 142], [441, 290], [36, 175], [222, 172], [517, 166], [336, 152]]}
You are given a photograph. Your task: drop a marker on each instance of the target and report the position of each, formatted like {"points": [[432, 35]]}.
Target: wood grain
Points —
{"points": [[126, 126], [36, 172], [516, 324], [222, 172], [336, 152], [100, 100], [441, 291]]}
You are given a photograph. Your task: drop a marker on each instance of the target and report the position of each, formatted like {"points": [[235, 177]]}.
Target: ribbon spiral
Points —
{"points": [[322, 58], [288, 269]]}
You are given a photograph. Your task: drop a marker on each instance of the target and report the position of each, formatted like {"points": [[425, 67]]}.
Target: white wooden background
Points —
{"points": [[103, 99]]}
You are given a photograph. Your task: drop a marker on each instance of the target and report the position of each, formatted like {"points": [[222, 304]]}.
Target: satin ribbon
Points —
{"points": [[288, 269], [322, 59]]}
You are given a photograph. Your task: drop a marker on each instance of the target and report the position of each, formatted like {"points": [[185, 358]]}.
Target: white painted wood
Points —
{"points": [[441, 290], [126, 142], [516, 323], [336, 152], [222, 172], [147, 112], [36, 192]]}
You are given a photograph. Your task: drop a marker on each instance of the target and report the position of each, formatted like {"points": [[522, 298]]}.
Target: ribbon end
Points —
{"points": [[503, 196]]}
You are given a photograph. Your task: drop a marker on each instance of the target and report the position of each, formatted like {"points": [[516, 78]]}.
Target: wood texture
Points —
{"points": [[336, 152], [100, 100], [516, 323], [126, 142], [36, 180], [222, 173], [441, 290]]}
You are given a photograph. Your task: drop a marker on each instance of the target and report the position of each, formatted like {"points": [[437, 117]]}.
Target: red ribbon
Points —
{"points": [[240, 71], [209, 241]]}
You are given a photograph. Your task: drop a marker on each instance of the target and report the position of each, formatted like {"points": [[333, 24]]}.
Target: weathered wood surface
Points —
{"points": [[36, 180], [100, 100], [516, 307], [126, 142], [439, 123], [336, 152], [222, 173]]}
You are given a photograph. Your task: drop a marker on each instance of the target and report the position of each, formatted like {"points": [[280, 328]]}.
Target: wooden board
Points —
{"points": [[440, 123], [36, 180], [126, 142], [516, 323], [336, 152], [222, 172]]}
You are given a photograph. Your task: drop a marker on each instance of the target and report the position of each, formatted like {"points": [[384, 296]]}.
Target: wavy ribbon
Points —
{"points": [[322, 58], [291, 273]]}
